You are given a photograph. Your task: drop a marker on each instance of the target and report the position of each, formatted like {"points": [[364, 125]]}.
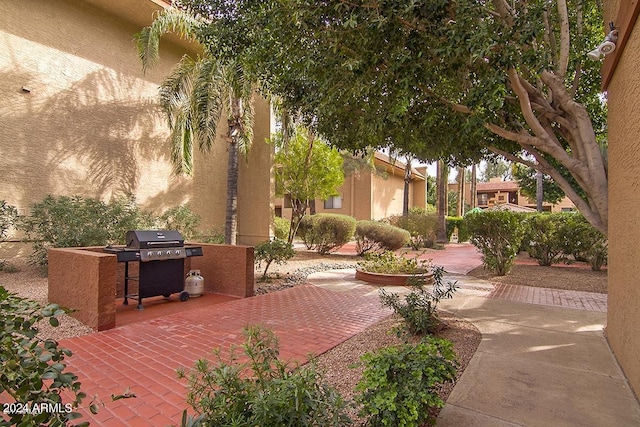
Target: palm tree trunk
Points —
{"points": [[474, 190], [407, 182], [231, 216], [441, 185]]}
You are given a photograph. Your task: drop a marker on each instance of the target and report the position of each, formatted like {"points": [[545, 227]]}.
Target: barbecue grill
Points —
{"points": [[160, 254]]}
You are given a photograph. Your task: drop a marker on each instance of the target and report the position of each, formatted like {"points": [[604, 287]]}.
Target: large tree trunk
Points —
{"points": [[441, 211], [583, 159], [231, 215]]}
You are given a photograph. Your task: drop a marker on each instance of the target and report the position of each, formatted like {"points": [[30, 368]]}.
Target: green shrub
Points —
{"points": [[418, 309], [379, 236], [76, 221], [210, 236], [305, 231], [422, 227], [180, 218], [261, 390], [399, 384], [498, 235], [390, 263], [8, 217], [275, 250], [584, 242], [33, 371], [543, 237], [457, 221], [281, 227], [326, 232]]}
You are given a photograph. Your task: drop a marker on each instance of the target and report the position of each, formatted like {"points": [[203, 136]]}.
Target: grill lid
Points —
{"points": [[145, 239]]}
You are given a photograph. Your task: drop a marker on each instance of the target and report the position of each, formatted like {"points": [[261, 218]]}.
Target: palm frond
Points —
{"points": [[168, 20]]}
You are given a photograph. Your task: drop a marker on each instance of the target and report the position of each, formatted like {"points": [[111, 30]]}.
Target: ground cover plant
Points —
{"points": [[34, 373]]}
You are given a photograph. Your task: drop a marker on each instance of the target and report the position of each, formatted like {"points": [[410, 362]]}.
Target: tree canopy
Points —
{"points": [[439, 79]]}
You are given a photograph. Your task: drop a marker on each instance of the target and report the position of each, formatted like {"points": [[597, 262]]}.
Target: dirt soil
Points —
{"points": [[577, 276]]}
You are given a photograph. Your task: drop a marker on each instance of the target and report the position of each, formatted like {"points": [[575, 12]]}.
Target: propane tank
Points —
{"points": [[194, 283]]}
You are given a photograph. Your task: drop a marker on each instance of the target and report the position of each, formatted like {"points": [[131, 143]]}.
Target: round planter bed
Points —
{"points": [[386, 279]]}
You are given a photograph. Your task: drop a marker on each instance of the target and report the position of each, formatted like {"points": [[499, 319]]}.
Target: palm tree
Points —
{"points": [[195, 96]]}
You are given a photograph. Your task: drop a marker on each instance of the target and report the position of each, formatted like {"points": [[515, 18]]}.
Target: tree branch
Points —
{"points": [[565, 42]]}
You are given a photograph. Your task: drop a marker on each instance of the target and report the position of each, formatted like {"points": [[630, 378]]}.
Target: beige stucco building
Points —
{"points": [[498, 192], [371, 195], [621, 79], [78, 116]]}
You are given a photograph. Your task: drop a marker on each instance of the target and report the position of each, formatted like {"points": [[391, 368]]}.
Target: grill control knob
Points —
{"points": [[168, 253], [159, 253], [150, 254], [177, 251]]}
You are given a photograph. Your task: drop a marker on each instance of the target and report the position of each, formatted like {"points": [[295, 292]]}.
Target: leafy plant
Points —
{"points": [[584, 242], [418, 309], [261, 391], [181, 218], [281, 227], [326, 232], [498, 235], [543, 238], [33, 370], [420, 224], [76, 221], [390, 263], [379, 236], [399, 384], [8, 217], [275, 250]]}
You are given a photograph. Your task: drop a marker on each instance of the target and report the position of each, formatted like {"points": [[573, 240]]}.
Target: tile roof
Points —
{"points": [[486, 187]]}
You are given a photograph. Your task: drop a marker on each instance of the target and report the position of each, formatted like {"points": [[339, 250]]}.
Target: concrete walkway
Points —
{"points": [[537, 365]]}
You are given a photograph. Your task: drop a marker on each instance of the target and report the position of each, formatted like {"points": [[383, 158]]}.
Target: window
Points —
{"points": [[333, 202], [483, 199]]}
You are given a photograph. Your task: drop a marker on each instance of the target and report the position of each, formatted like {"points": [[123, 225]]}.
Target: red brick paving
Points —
{"points": [[589, 301], [143, 356]]}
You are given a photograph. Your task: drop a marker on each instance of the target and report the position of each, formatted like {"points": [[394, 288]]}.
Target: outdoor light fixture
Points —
{"points": [[607, 46]]}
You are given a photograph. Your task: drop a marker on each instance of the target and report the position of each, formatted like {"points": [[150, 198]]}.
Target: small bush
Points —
{"points": [[8, 217], [584, 242], [498, 235], [379, 236], [180, 218], [281, 228], [421, 226], [210, 236], [276, 250], [419, 308], [76, 221], [33, 371], [326, 232], [390, 263], [261, 391], [399, 384], [543, 237]]}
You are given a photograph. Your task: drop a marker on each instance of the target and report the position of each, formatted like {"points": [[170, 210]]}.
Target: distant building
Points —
{"points": [[371, 195], [499, 192]]}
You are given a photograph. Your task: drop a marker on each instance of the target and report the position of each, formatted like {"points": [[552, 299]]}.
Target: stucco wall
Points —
{"points": [[79, 117], [623, 316]]}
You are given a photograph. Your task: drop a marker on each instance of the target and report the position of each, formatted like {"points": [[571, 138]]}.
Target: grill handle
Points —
{"points": [[164, 243]]}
